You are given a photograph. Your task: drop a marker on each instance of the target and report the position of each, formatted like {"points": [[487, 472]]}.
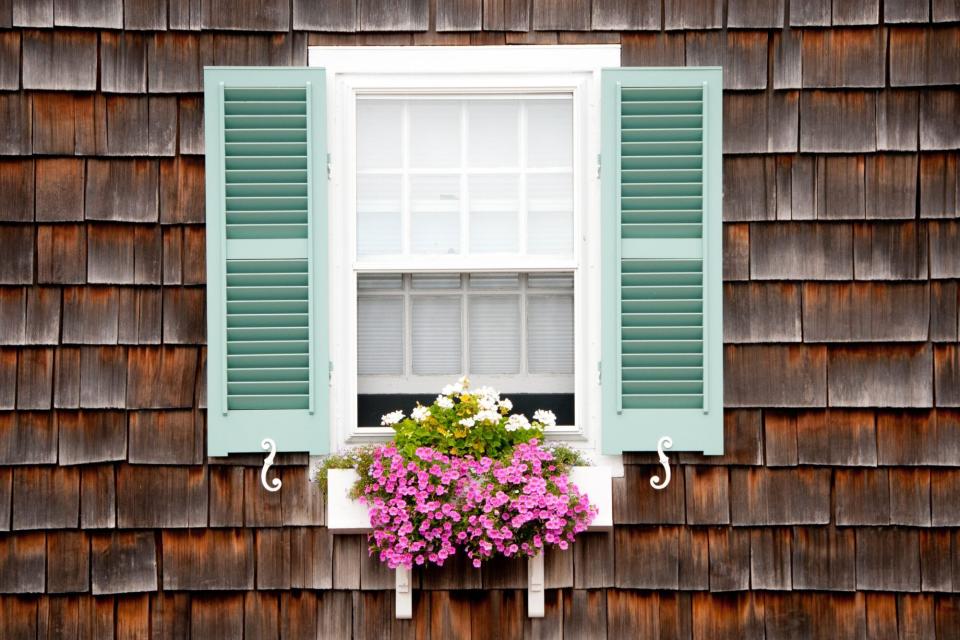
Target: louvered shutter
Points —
{"points": [[662, 362], [267, 363]]}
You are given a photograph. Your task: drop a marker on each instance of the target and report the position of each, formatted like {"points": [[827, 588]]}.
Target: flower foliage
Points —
{"points": [[464, 473]]}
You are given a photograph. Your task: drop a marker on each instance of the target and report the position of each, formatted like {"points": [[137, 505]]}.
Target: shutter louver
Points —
{"points": [[661, 329], [266, 223]]}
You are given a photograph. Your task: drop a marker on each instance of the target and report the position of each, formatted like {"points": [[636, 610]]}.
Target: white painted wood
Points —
{"points": [[404, 594], [535, 587], [597, 483], [344, 515]]}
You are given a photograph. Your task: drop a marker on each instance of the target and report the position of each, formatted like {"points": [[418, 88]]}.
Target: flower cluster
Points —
{"points": [[423, 509]]}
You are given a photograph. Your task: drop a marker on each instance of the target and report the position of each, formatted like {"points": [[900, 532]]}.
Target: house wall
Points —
{"points": [[835, 511]]}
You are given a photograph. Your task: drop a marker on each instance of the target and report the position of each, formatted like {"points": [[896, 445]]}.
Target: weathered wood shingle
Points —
{"points": [[91, 436], [890, 251], [833, 122], [60, 60], [632, 15], [757, 312], [888, 376], [155, 496], [801, 251], [46, 497], [844, 58], [123, 562], [793, 376], [939, 185], [938, 111], [200, 559], [779, 496], [862, 312]]}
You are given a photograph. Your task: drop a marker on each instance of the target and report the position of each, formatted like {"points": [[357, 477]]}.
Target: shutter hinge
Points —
{"points": [[599, 164], [329, 169], [330, 372], [599, 372]]}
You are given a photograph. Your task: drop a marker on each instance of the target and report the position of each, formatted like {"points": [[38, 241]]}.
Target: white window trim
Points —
{"points": [[521, 69]]}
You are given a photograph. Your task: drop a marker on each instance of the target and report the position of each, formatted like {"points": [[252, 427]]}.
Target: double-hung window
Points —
{"points": [[393, 218]]}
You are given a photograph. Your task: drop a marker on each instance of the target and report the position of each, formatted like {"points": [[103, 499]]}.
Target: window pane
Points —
{"points": [[380, 335], [435, 281], [550, 133], [494, 334], [378, 134], [378, 215], [550, 333], [436, 335], [494, 127], [550, 214], [494, 206], [435, 211], [434, 134]]}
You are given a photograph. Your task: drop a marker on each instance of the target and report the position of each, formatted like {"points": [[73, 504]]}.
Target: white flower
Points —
{"points": [[486, 403], [546, 418], [420, 413], [444, 402], [488, 415], [391, 418], [467, 422], [506, 404], [517, 421]]}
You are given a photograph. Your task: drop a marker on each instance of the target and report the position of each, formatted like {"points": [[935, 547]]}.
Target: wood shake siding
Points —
{"points": [[835, 512]]}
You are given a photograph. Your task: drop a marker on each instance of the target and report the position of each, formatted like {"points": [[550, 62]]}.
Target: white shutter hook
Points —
{"points": [[275, 484], [662, 443]]}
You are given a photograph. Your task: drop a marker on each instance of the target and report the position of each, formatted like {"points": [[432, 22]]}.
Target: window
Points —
{"points": [[392, 218]]}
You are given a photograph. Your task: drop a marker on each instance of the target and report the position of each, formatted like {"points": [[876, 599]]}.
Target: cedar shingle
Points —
{"points": [[123, 60], [138, 125], [889, 376], [939, 185], [68, 562], [261, 508], [311, 558], [749, 188], [621, 15], [272, 548], [814, 615], [779, 496], [844, 58], [456, 573], [90, 315], [898, 120], [34, 378], [250, 50], [60, 60], [66, 384], [16, 245], [32, 13], [64, 124], [881, 615], [760, 122], [161, 377], [944, 258], [299, 616], [944, 304], [58, 615], [164, 437], [891, 186], [10, 60], [338, 15], [937, 572], [834, 122], [103, 382], [182, 191], [22, 561], [630, 614], [173, 63], [107, 14], [729, 559], [770, 559], [184, 15], [122, 190], [13, 315], [153, 496], [563, 15], [585, 614], [61, 253], [824, 558], [216, 616], [250, 15], [742, 54], [184, 315], [147, 254], [133, 616], [866, 312], [652, 49], [910, 497], [98, 497], [736, 252], [226, 495], [6, 491], [938, 118], [8, 378], [758, 312], [393, 16], [801, 251], [753, 14], [303, 503], [691, 14], [946, 374], [727, 616], [593, 560], [780, 439], [140, 316], [173, 255], [60, 189], [148, 15], [506, 15], [191, 124], [46, 497], [787, 59], [802, 189], [16, 137], [947, 616], [261, 615], [694, 559], [741, 441], [945, 11], [890, 251], [123, 562], [16, 184], [924, 56], [858, 12], [793, 376], [346, 565], [459, 15], [43, 315], [905, 11], [647, 557], [862, 497], [845, 438], [635, 503], [27, 438], [840, 187], [375, 575], [888, 559], [92, 436], [707, 495], [919, 438], [916, 619]]}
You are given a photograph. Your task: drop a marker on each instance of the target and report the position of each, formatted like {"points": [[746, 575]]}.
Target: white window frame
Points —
{"points": [[527, 69]]}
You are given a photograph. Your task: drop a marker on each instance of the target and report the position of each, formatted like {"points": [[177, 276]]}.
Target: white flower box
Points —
{"points": [[345, 515]]}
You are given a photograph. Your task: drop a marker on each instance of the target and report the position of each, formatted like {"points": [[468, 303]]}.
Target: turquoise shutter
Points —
{"points": [[662, 366], [267, 363]]}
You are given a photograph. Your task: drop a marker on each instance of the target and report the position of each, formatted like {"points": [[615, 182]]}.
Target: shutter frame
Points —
{"points": [[639, 429], [237, 430]]}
